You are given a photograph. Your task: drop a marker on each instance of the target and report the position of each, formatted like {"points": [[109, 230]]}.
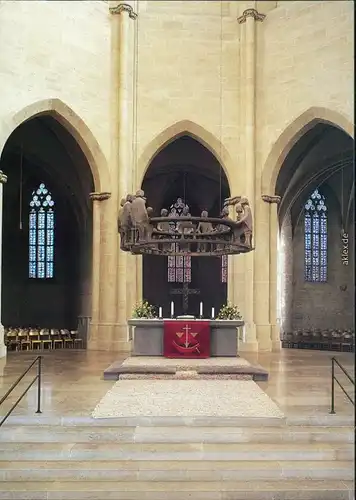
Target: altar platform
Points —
{"points": [[160, 368]]}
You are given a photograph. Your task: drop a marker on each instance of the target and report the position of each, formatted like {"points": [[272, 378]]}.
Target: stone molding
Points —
{"points": [[3, 177], [250, 13], [271, 199], [123, 7], [100, 196]]}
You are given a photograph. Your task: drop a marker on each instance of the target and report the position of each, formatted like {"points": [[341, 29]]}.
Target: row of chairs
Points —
{"points": [[26, 339], [324, 340]]}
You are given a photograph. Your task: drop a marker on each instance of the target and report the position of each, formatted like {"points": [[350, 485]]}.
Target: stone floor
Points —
{"points": [[299, 381]]}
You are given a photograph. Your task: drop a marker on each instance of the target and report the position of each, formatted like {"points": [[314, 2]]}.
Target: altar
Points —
{"points": [[147, 336]]}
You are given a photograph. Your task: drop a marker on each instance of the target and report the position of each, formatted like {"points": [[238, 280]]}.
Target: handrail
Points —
{"points": [[38, 377], [334, 379]]}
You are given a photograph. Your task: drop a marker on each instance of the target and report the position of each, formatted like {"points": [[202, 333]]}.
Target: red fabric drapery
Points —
{"points": [[186, 339]]}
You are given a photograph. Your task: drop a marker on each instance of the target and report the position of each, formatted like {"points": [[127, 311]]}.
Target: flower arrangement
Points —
{"points": [[229, 311], [144, 310]]}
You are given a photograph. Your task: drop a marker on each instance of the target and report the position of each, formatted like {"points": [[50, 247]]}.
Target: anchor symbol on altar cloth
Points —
{"points": [[187, 343]]}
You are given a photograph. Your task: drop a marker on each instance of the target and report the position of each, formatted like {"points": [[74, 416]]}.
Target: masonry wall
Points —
{"points": [[305, 58], [57, 50]]}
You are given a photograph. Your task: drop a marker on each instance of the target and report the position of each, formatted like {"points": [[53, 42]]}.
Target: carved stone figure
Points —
{"points": [[245, 223], [163, 226], [119, 219], [204, 228], [125, 222], [139, 215]]}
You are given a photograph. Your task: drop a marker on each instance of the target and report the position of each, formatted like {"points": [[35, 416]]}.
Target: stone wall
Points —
{"points": [[56, 50]]}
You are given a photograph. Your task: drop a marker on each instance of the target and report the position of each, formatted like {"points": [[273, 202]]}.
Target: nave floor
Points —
{"points": [[299, 381]]}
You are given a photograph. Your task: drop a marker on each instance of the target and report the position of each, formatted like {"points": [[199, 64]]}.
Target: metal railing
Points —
{"points": [[37, 377], [334, 379]]}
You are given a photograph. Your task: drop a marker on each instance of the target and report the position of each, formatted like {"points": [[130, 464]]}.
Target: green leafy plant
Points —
{"points": [[144, 310], [229, 311]]}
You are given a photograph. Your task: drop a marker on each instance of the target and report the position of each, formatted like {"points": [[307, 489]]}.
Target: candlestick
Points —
{"points": [[201, 309], [172, 309], [160, 312], [212, 313]]}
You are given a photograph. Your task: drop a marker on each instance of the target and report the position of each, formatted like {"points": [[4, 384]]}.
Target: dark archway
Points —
{"points": [[321, 160], [185, 169], [39, 151]]}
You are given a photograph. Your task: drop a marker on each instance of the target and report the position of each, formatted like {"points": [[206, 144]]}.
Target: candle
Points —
{"points": [[201, 309], [172, 309], [160, 312], [212, 313]]}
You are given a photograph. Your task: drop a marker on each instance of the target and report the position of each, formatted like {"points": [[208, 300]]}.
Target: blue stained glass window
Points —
{"points": [[41, 234], [315, 238]]}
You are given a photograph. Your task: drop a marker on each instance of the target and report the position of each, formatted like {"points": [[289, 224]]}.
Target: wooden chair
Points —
{"points": [[11, 340], [34, 336], [57, 341], [46, 341], [347, 342], [25, 342], [67, 339], [335, 340], [78, 342]]}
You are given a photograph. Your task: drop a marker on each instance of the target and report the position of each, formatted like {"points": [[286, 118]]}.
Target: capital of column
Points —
{"points": [[99, 196], [3, 177], [271, 199], [250, 13], [123, 7]]}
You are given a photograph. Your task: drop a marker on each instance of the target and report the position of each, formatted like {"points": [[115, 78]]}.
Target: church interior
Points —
{"points": [[177, 250]]}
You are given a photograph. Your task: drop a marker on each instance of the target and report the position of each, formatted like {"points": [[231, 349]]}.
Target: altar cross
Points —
{"points": [[185, 291]]}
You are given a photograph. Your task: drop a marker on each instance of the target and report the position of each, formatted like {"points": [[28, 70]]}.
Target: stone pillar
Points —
{"points": [[248, 77], [3, 179], [285, 273], [93, 339], [122, 48], [273, 202]]}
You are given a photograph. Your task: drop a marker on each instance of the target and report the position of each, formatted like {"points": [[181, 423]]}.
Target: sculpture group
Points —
{"points": [[176, 232]]}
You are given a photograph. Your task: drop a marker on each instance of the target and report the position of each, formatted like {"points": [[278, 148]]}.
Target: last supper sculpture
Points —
{"points": [[176, 232]]}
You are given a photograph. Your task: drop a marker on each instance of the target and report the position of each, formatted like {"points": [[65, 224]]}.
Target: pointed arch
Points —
{"points": [[75, 126], [290, 137], [178, 129]]}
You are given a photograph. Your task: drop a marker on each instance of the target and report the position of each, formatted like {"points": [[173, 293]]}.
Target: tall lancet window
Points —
{"points": [[316, 238], [179, 266], [41, 234], [224, 261]]}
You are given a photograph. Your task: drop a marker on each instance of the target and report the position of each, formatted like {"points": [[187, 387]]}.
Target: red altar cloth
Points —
{"points": [[186, 339]]}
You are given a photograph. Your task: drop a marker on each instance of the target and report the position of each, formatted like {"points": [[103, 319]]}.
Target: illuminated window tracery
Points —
{"points": [[315, 238]]}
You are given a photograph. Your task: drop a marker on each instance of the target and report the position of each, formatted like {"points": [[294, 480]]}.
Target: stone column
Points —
{"points": [[97, 287], [3, 180], [273, 202], [122, 48], [248, 73]]}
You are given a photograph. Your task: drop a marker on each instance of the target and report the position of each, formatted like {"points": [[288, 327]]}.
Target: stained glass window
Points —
{"points": [[315, 238], [224, 261], [179, 266], [41, 234]]}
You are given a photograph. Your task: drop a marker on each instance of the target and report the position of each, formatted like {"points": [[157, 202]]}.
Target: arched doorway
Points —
{"points": [[316, 288], [47, 227], [187, 173]]}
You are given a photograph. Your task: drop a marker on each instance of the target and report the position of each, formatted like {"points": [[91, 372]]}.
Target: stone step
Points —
{"points": [[176, 451], [338, 420], [219, 490], [175, 471], [80, 434]]}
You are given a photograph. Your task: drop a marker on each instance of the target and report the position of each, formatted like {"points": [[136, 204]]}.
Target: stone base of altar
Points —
{"points": [[147, 336], [158, 367]]}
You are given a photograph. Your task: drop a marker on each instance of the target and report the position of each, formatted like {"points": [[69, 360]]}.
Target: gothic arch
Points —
{"points": [[75, 126], [178, 129], [290, 137]]}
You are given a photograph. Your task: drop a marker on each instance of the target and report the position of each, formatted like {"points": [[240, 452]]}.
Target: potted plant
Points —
{"points": [[144, 310], [229, 312]]}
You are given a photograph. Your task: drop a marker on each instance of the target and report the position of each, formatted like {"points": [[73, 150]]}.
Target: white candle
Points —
{"points": [[201, 309], [160, 312], [172, 309], [212, 313]]}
